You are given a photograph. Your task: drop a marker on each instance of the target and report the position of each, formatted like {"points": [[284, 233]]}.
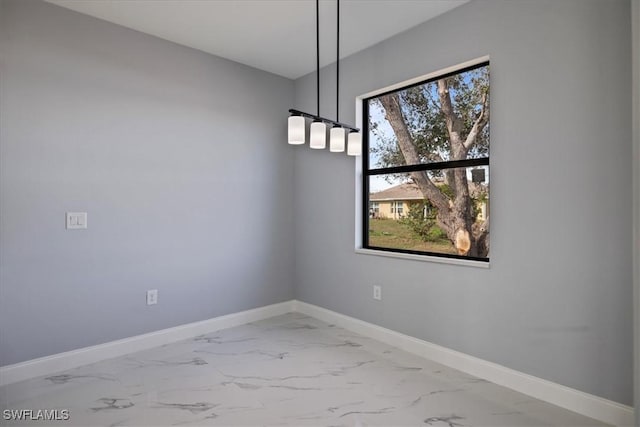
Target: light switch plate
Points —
{"points": [[76, 220]]}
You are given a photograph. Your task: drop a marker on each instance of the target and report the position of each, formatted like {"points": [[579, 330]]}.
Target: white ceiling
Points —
{"points": [[273, 35]]}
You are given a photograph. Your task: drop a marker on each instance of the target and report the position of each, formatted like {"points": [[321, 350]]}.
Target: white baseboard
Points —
{"points": [[72, 359], [574, 400]]}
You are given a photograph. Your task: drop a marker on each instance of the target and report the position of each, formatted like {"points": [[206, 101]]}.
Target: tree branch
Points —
{"points": [[454, 124], [393, 114], [479, 124]]}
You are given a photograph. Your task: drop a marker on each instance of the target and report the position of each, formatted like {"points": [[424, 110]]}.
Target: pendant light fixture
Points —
{"points": [[318, 129], [354, 144]]}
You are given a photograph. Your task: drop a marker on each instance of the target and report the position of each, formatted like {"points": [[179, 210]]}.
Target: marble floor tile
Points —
{"points": [[287, 370]]}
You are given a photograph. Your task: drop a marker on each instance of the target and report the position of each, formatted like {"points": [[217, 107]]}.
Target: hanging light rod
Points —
{"points": [[294, 112], [318, 130]]}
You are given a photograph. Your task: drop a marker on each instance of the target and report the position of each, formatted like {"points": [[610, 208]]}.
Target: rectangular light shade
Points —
{"points": [[354, 145], [318, 135], [296, 130], [336, 144]]}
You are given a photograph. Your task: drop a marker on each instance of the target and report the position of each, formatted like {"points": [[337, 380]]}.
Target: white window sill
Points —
{"points": [[424, 258]]}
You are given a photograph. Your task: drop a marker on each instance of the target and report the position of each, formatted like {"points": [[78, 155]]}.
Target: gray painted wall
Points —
{"points": [[176, 155], [557, 300]]}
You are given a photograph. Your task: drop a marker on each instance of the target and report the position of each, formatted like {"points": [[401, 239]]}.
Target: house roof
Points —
{"points": [[407, 191], [410, 191]]}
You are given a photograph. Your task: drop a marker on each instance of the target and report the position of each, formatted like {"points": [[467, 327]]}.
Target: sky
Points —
{"points": [[378, 183]]}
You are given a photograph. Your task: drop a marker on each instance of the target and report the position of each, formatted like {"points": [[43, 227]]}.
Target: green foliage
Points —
{"points": [[481, 198], [446, 190], [421, 219], [436, 234]]}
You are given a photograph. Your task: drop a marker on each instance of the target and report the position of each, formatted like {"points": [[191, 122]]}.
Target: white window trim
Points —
{"points": [[423, 258]]}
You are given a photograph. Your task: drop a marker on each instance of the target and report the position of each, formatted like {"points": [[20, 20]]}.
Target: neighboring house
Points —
{"points": [[393, 203]]}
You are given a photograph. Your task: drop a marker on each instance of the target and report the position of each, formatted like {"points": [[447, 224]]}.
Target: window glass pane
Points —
{"points": [[415, 211], [410, 126]]}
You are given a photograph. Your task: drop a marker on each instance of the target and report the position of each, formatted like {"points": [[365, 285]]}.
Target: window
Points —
{"points": [[397, 208], [374, 209], [428, 144]]}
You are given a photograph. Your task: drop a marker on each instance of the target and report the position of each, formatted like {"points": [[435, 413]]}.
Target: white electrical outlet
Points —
{"points": [[152, 297], [377, 292]]}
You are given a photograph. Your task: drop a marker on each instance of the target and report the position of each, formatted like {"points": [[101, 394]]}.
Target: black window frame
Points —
{"points": [[367, 172]]}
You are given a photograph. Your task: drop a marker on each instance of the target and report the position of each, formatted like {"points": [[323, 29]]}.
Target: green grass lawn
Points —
{"points": [[389, 233]]}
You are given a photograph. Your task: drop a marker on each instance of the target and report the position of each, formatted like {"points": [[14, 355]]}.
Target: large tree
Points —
{"points": [[444, 120]]}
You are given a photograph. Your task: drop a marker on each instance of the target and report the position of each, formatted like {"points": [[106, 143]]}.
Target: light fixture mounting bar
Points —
{"points": [[322, 119]]}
